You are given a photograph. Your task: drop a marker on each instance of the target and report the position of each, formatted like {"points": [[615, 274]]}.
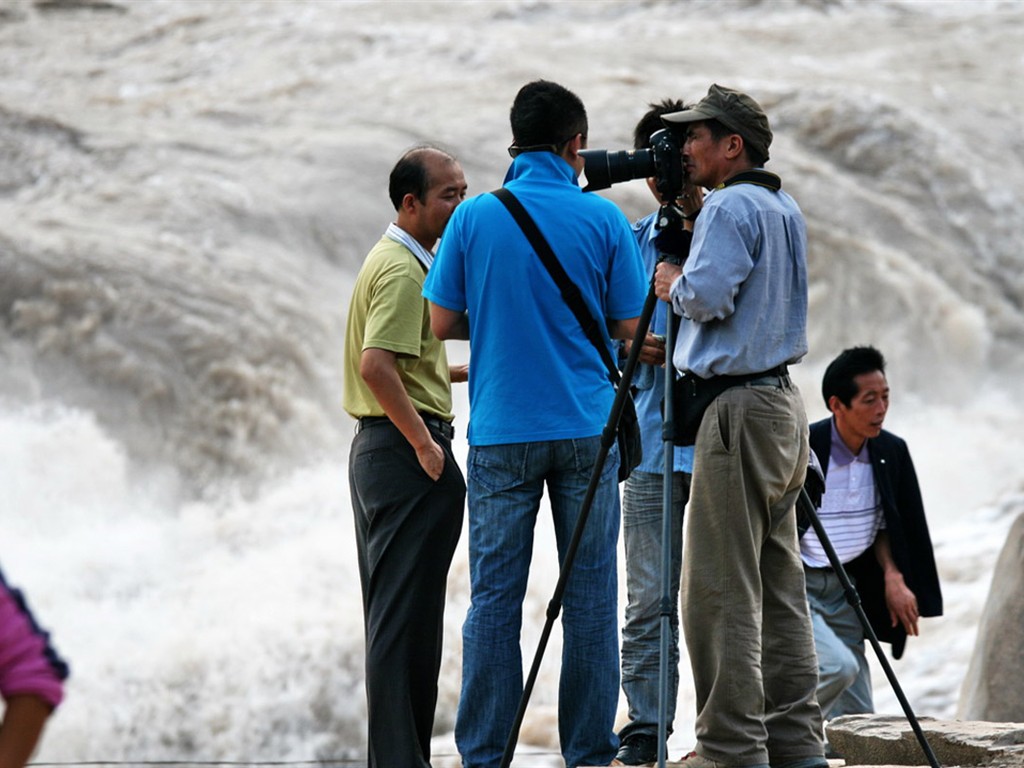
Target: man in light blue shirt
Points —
{"points": [[642, 507], [744, 290]]}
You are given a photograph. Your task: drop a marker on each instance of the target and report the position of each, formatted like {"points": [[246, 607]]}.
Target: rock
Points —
{"points": [[993, 687], [890, 740]]}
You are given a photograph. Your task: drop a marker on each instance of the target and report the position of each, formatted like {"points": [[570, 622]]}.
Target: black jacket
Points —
{"points": [[905, 523]]}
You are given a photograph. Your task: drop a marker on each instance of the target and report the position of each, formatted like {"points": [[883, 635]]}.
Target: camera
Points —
{"points": [[662, 161]]}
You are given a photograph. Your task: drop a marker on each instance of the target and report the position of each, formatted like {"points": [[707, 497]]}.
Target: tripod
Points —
{"points": [[667, 505]]}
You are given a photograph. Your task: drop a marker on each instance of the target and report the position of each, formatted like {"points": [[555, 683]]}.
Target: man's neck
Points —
{"points": [[853, 442], [410, 230], [734, 170]]}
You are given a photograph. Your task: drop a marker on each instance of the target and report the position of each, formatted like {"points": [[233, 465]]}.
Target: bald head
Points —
{"points": [[412, 172], [427, 184]]}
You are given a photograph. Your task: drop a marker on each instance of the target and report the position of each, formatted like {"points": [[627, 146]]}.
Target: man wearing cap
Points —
{"points": [[744, 289]]}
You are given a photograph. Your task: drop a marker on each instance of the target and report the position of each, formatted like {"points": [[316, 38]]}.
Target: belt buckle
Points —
{"points": [[436, 422], [446, 429]]}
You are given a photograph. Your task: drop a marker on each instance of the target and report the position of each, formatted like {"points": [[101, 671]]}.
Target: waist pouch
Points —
{"points": [[692, 395], [631, 450]]}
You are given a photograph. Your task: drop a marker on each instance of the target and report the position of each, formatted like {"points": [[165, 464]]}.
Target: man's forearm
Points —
{"points": [[883, 553], [623, 329], [448, 324], [22, 725], [380, 372]]}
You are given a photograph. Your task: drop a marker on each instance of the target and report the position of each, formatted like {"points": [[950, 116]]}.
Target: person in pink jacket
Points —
{"points": [[31, 678]]}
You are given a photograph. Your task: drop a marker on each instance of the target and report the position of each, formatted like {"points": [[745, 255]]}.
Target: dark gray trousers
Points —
{"points": [[407, 527]]}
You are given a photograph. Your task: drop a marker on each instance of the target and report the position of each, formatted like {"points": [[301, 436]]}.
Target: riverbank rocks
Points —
{"points": [[890, 740], [993, 688]]}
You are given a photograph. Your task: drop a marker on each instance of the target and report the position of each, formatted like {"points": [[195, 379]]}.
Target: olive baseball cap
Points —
{"points": [[733, 109]]}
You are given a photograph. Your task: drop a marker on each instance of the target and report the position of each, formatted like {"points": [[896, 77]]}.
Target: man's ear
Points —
{"points": [[834, 403], [409, 202], [573, 147], [733, 145]]}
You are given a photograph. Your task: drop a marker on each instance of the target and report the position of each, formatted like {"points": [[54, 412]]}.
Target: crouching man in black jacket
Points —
{"points": [[873, 515]]}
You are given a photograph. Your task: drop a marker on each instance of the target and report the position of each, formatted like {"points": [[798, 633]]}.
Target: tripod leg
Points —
{"points": [[807, 506], [666, 545]]}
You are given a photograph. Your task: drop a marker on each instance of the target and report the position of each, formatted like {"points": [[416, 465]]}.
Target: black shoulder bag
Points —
{"points": [[628, 433]]}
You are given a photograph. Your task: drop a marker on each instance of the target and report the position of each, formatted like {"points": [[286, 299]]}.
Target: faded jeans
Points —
{"points": [[506, 483], [844, 676], [641, 635]]}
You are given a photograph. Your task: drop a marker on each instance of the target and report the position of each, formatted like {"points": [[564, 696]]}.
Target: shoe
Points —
{"points": [[638, 749], [805, 762], [693, 760]]}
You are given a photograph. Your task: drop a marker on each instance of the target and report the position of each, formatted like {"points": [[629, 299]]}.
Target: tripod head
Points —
{"points": [[673, 240]]}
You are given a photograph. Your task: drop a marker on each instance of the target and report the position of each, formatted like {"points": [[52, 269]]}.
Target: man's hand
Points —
{"points": [[653, 350], [458, 374], [664, 276], [431, 458], [901, 602]]}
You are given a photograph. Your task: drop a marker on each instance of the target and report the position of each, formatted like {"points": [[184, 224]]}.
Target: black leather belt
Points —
{"points": [[436, 423], [779, 375], [819, 568]]}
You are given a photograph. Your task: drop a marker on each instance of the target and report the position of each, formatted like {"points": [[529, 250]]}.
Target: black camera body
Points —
{"points": [[662, 161]]}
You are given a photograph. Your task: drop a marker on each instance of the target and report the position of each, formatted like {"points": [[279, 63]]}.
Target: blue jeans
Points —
{"points": [[641, 635], [506, 483]]}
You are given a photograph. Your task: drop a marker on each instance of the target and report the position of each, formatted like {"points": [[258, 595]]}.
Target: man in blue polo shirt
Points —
{"points": [[539, 398]]}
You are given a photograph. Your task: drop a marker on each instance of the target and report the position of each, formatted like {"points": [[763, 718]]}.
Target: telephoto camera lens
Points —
{"points": [[604, 168]]}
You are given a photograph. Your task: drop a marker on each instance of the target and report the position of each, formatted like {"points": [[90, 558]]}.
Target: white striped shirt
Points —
{"points": [[851, 509]]}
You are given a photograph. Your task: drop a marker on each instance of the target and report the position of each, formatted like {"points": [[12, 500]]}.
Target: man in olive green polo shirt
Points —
{"points": [[407, 491]]}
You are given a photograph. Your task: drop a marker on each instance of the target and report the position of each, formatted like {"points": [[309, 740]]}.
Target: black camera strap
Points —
{"points": [[757, 176], [569, 290]]}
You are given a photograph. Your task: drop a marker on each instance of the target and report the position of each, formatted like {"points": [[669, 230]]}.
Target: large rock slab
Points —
{"points": [[993, 687], [890, 740]]}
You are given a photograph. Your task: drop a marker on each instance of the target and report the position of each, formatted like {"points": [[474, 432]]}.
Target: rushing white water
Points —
{"points": [[186, 190]]}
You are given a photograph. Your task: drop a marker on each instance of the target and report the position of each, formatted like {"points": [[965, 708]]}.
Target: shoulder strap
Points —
{"points": [[569, 290], [757, 176]]}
